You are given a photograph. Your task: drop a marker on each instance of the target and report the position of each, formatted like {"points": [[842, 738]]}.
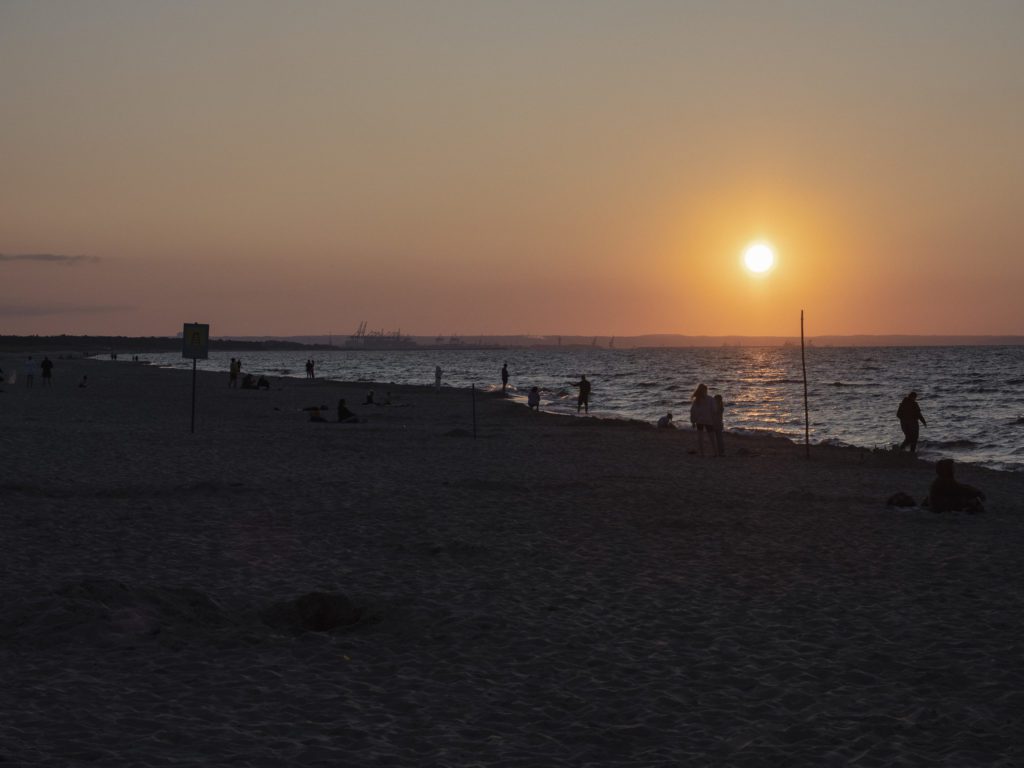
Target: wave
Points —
{"points": [[951, 444]]}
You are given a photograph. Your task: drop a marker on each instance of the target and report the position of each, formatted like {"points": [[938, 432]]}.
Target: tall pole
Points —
{"points": [[193, 395], [473, 390], [807, 418]]}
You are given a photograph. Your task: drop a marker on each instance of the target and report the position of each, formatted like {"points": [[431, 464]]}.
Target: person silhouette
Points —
{"points": [[533, 399], [666, 421], [702, 416], [504, 376], [583, 401], [909, 414], [437, 377], [948, 495]]}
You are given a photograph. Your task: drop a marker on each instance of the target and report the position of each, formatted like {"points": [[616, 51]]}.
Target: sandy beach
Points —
{"points": [[556, 591]]}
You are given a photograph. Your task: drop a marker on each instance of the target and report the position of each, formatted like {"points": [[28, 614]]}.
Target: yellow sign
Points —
{"points": [[196, 341]]}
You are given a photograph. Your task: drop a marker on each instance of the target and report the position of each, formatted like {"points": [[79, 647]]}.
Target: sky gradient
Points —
{"points": [[506, 168]]}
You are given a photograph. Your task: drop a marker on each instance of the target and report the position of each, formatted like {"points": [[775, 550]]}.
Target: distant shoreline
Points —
{"points": [[104, 344]]}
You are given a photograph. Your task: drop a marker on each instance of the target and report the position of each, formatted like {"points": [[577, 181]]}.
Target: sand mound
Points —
{"points": [[312, 612]]}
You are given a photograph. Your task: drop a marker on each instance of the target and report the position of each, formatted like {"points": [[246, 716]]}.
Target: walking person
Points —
{"points": [[583, 400], [47, 368], [504, 376], [30, 372], [702, 416], [909, 414]]}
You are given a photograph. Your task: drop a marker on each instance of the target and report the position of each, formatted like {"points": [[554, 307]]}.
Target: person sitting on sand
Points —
{"points": [[84, 382], [533, 399], [666, 421], [948, 495], [583, 401], [344, 414], [702, 416], [248, 382], [369, 398], [262, 383]]}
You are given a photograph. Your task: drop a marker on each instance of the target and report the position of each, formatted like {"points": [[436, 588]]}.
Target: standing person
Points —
{"points": [[233, 374], [47, 367], [584, 397], [702, 416], [504, 376], [437, 377], [909, 413], [533, 399], [312, 369], [720, 425], [30, 371]]}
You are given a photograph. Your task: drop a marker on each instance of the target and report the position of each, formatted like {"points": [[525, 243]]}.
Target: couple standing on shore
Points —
{"points": [[707, 415]]}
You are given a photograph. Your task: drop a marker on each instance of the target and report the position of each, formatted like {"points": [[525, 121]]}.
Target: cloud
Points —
{"points": [[50, 258], [16, 310]]}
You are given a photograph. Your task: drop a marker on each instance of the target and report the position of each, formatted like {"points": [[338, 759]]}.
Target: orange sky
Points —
{"points": [[504, 168]]}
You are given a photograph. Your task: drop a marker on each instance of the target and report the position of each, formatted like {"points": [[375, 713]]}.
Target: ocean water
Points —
{"points": [[971, 397]]}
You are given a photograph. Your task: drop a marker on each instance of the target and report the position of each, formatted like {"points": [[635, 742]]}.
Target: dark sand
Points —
{"points": [[556, 592]]}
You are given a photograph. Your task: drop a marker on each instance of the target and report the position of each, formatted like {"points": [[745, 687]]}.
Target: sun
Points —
{"points": [[759, 257]]}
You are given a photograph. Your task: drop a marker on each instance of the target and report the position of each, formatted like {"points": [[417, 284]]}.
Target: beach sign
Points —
{"points": [[196, 341]]}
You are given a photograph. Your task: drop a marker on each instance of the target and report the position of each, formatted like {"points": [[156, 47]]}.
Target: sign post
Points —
{"points": [[195, 340]]}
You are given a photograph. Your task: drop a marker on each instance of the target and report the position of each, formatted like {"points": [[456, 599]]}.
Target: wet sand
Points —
{"points": [[557, 591]]}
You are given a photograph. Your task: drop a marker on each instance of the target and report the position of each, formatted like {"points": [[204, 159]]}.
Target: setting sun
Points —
{"points": [[759, 257]]}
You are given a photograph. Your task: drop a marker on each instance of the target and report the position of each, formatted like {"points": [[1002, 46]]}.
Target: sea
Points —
{"points": [[972, 397]]}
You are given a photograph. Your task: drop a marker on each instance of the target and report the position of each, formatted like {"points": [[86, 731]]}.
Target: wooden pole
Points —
{"points": [[193, 395], [807, 418], [473, 389]]}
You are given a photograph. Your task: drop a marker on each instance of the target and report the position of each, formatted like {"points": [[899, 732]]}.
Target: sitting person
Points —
{"points": [[948, 495], [248, 382], [533, 399], [369, 398], [666, 421], [84, 382], [262, 383], [344, 414]]}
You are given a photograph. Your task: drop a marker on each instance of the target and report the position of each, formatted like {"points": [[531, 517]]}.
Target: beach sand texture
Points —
{"points": [[556, 592]]}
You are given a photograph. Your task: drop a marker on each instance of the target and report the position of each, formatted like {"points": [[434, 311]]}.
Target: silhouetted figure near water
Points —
{"points": [[437, 377], [262, 383], [583, 401], [702, 416], [533, 399], [947, 495], [504, 376], [665, 422], [233, 370], [30, 371], [47, 367], [909, 414]]}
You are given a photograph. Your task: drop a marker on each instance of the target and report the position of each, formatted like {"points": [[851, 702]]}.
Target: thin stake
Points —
{"points": [[472, 388], [193, 395], [807, 418]]}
